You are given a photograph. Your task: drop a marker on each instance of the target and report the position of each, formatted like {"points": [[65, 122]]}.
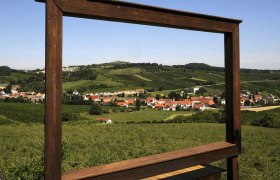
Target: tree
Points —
{"points": [[216, 100], [178, 108], [138, 104], [254, 97], [174, 95], [95, 109], [185, 94], [121, 95], [8, 89], [92, 76], [201, 91], [247, 103], [158, 96], [5, 71], [70, 91], [81, 89]]}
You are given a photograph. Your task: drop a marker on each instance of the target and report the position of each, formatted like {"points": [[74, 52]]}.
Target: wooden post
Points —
{"points": [[53, 105], [139, 14], [232, 92]]}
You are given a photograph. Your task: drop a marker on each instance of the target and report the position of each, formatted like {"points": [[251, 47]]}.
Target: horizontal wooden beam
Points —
{"points": [[157, 164], [142, 14]]}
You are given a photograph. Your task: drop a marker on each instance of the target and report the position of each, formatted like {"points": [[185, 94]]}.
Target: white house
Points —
{"points": [[150, 101], [223, 101], [193, 89], [75, 92]]}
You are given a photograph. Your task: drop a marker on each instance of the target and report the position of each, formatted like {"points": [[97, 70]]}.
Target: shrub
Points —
{"points": [[95, 109], [270, 120], [105, 111], [68, 116]]}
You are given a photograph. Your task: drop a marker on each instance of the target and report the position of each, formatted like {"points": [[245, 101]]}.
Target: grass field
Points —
{"points": [[75, 84], [90, 145], [13, 76], [86, 143], [144, 115], [126, 71]]}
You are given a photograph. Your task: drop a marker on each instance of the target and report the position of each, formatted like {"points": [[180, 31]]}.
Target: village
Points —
{"points": [[11, 93], [128, 98]]}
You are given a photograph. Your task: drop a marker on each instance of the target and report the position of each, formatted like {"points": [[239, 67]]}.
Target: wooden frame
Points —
{"points": [[154, 16]]}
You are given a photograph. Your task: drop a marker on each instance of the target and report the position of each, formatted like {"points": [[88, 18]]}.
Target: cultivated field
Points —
{"points": [[86, 143], [90, 145], [136, 116]]}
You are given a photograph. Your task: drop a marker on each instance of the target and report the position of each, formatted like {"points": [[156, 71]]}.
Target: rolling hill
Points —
{"points": [[121, 75]]}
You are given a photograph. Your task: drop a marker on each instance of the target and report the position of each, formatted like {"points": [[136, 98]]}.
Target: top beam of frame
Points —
{"points": [[143, 14]]}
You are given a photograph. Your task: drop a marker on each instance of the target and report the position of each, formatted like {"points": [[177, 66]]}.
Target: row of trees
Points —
{"points": [[83, 73], [5, 71], [179, 95], [35, 82]]}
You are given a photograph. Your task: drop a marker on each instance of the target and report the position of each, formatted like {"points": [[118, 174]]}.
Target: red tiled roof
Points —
{"points": [[197, 106], [102, 119], [130, 101], [195, 98], [122, 104], [149, 99], [94, 97], [106, 99], [207, 101]]}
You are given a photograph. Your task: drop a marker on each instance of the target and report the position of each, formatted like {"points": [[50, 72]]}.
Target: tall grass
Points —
{"points": [[21, 149]]}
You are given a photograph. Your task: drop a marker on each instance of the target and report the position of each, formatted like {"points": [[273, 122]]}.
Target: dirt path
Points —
{"points": [[261, 108], [143, 78], [175, 115]]}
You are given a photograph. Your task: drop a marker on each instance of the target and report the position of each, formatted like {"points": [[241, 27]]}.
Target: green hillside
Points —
{"points": [[150, 76], [7, 74]]}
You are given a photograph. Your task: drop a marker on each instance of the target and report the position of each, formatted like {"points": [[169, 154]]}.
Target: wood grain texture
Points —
{"points": [[156, 164], [148, 15], [232, 168], [53, 91], [232, 88], [232, 92], [201, 172]]}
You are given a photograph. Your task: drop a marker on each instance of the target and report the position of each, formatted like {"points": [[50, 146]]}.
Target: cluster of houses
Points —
{"points": [[197, 103], [64, 69], [249, 99], [14, 94], [121, 98], [116, 93], [105, 100]]}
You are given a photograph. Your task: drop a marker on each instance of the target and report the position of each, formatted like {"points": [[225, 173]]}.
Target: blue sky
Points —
{"points": [[22, 27]]}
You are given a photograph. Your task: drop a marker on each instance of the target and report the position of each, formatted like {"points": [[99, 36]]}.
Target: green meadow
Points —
{"points": [[136, 116], [87, 145]]}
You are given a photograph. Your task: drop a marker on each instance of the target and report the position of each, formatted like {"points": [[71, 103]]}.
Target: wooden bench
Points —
{"points": [[200, 172], [154, 165]]}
